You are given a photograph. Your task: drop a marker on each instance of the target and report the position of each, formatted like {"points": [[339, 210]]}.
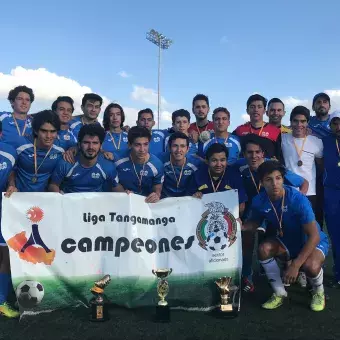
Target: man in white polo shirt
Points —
{"points": [[300, 151]]}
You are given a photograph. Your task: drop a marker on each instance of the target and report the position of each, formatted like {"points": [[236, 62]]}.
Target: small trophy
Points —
{"points": [[162, 309], [98, 304], [224, 287]]}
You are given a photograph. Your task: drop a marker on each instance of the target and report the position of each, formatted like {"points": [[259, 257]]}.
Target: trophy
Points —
{"points": [[98, 304], [204, 136], [224, 287], [162, 309]]}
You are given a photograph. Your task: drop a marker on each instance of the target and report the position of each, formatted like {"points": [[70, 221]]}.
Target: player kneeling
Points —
{"points": [[299, 237]]}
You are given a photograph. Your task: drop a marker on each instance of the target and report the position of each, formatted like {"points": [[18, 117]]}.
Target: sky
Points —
{"points": [[227, 50]]}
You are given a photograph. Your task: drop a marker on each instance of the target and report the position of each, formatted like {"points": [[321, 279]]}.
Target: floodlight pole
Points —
{"points": [[163, 43]]}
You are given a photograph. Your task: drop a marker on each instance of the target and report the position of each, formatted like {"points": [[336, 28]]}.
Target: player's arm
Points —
{"points": [[297, 181], [53, 187], [319, 164], [313, 238], [115, 185], [11, 187], [250, 226], [58, 176], [241, 208], [156, 194]]}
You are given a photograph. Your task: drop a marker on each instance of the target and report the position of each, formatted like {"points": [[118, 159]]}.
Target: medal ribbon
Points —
{"points": [[36, 167], [253, 179], [212, 182], [141, 176], [178, 181], [277, 216], [259, 134], [113, 140], [199, 130], [17, 126], [299, 152]]}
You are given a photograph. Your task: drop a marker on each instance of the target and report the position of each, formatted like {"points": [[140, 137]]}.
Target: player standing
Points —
{"points": [[275, 112]]}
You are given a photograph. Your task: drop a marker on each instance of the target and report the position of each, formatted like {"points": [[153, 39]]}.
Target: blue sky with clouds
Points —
{"points": [[225, 49]]}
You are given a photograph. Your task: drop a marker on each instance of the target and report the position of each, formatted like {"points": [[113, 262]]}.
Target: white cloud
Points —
{"points": [[245, 117], [147, 96], [290, 102], [224, 40], [124, 74]]}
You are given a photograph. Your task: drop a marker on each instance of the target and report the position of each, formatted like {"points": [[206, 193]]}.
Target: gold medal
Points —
{"points": [[300, 163]]}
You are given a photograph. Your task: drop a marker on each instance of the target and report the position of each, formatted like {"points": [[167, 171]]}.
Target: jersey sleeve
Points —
{"points": [[293, 179], [59, 172], [255, 213], [114, 179], [159, 178], [305, 211], [319, 148], [238, 184]]}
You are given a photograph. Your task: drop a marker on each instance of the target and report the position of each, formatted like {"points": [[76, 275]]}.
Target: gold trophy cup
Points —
{"points": [[162, 309], [98, 304], [223, 285]]}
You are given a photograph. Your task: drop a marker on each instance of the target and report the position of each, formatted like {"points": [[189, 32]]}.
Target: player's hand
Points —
{"points": [[126, 128], [70, 154], [291, 273], [152, 198], [10, 190], [128, 192], [194, 136], [197, 194], [108, 155]]}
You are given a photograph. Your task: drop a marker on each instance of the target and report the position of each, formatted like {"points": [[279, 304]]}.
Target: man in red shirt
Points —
{"points": [[256, 108], [200, 108]]}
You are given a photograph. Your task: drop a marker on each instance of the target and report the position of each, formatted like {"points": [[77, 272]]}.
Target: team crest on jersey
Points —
{"points": [[125, 140], [3, 166], [156, 139], [144, 173], [95, 175], [228, 145], [217, 228], [187, 172], [53, 156], [67, 137], [265, 134]]}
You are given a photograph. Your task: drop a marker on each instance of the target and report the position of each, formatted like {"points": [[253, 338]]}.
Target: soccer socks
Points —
{"points": [[5, 280], [273, 274], [317, 282]]}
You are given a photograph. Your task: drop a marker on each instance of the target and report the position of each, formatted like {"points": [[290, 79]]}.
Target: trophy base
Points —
{"points": [[99, 313], [225, 312], [162, 313]]}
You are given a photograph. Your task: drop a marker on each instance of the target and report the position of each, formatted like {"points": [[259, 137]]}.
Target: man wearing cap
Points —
{"points": [[332, 189], [319, 124]]}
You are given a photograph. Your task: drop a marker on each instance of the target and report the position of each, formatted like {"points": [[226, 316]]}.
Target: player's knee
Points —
{"points": [[312, 267], [265, 250]]}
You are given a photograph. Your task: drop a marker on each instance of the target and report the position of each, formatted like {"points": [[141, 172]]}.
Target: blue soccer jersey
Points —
{"points": [[13, 129], [179, 181], [66, 139], [331, 162], [26, 179], [76, 178], [192, 146], [8, 158], [140, 178], [232, 143], [76, 124], [320, 128], [230, 180], [156, 146], [116, 143], [297, 211]]}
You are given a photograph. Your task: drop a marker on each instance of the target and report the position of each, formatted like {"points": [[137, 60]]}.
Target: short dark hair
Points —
{"points": [[256, 97], [200, 97], [300, 110], [180, 113], [106, 117], [251, 138], [42, 117], [22, 88], [216, 148], [91, 130], [321, 95], [221, 109], [276, 100], [92, 97], [147, 110], [66, 99], [177, 135], [138, 132], [269, 167]]}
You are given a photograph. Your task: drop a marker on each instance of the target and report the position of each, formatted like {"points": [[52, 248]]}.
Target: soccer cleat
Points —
{"points": [[318, 302], [302, 279], [274, 302], [248, 285], [8, 311]]}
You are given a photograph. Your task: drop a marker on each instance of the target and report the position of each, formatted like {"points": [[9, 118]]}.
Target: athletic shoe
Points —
{"points": [[274, 302], [302, 279], [318, 302], [248, 285], [7, 310]]}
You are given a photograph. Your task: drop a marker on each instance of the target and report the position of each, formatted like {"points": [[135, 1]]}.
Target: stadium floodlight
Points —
{"points": [[163, 43]]}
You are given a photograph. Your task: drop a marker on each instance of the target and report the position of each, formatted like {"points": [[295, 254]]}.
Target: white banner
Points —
{"points": [[65, 242]]}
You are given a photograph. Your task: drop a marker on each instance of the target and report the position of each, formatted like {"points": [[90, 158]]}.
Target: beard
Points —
{"points": [[89, 157]]}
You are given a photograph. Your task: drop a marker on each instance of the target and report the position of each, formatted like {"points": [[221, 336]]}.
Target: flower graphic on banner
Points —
{"points": [[33, 249]]}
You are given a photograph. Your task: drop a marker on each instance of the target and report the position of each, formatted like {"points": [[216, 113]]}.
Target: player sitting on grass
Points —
{"points": [[299, 237]]}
